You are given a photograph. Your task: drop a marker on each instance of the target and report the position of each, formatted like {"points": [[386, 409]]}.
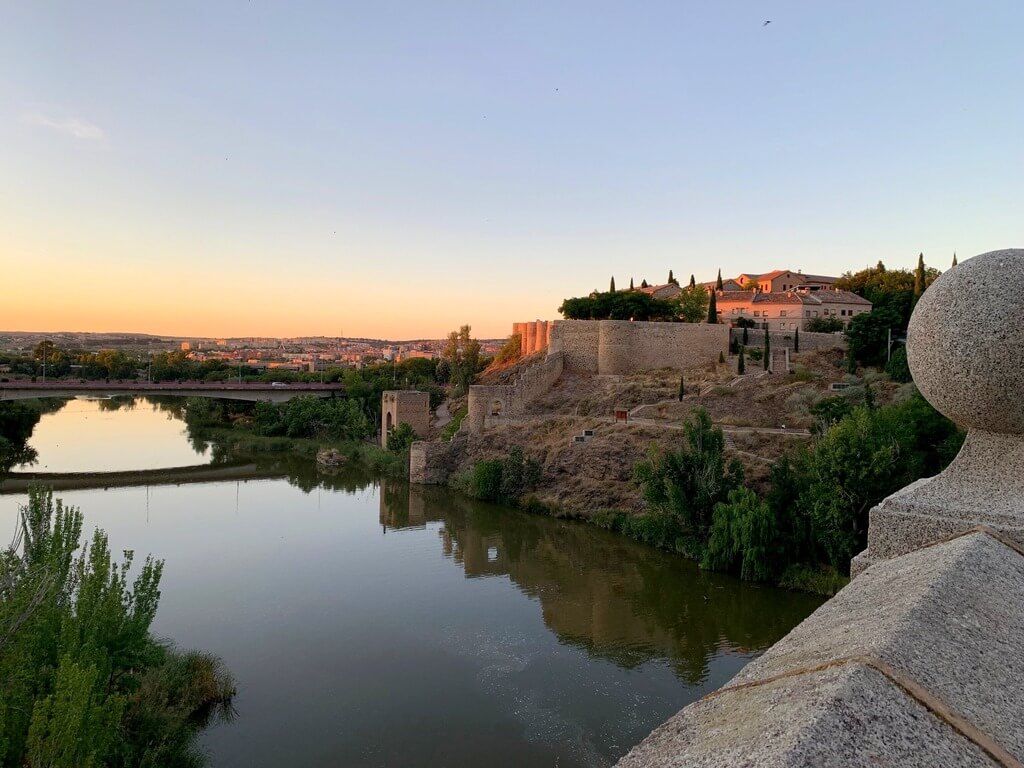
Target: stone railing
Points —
{"points": [[917, 661]]}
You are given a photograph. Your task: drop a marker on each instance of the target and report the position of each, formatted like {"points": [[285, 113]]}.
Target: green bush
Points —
{"points": [[400, 438], [82, 680], [897, 367]]}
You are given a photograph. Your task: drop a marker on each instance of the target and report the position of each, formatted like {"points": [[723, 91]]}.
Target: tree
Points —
{"points": [[825, 325], [693, 303], [919, 285], [643, 283], [693, 281], [400, 438], [744, 537], [626, 305], [796, 341], [631, 284], [463, 355], [897, 367], [867, 335], [767, 349], [611, 288], [82, 680], [713, 307], [954, 258], [888, 288], [683, 485], [718, 282], [721, 357], [671, 279], [682, 388], [741, 366], [745, 340]]}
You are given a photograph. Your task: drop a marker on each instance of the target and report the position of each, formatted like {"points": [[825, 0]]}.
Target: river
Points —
{"points": [[369, 622]]}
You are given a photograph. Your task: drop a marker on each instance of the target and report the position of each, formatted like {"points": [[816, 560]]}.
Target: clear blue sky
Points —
{"points": [[397, 169]]}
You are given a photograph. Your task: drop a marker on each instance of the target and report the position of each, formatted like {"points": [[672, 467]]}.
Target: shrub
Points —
{"points": [[897, 367], [824, 325]]}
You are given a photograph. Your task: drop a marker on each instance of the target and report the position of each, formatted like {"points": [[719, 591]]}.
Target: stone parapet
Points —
{"points": [[915, 663], [962, 346]]}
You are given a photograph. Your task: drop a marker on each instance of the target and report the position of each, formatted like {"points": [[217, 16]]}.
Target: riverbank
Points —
{"points": [[820, 580]]}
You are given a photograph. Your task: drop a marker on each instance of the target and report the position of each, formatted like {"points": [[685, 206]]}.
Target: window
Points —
{"points": [[757, 313], [782, 312], [807, 313], [734, 310]]}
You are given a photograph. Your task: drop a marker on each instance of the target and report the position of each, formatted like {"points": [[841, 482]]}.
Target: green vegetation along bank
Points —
{"points": [[801, 530], [83, 682]]}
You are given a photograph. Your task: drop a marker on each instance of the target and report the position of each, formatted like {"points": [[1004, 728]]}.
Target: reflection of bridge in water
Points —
{"points": [[618, 599], [222, 390]]}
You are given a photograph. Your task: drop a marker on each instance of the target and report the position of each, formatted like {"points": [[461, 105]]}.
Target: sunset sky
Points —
{"points": [[396, 169]]}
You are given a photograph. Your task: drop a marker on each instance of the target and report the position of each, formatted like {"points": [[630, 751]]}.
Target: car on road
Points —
{"points": [[279, 383]]}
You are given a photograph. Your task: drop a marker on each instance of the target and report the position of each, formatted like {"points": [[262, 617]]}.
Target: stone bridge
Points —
{"points": [[253, 391], [918, 661]]}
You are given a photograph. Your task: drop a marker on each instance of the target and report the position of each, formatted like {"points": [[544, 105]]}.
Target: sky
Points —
{"points": [[398, 169]]}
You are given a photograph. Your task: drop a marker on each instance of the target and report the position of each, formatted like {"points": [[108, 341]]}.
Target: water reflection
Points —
{"points": [[113, 434], [616, 599], [373, 623]]}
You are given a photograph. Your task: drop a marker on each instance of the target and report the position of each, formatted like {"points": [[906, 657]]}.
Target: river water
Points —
{"points": [[373, 623]]}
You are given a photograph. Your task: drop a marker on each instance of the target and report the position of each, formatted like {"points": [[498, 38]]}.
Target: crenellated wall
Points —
{"points": [[622, 346]]}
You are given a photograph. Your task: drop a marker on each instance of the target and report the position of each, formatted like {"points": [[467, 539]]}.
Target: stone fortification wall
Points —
{"points": [[577, 340], [628, 347], [621, 346], [490, 404], [433, 463], [534, 336], [808, 341]]}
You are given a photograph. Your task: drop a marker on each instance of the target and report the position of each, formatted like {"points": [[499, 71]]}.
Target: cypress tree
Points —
{"points": [[718, 284], [721, 357], [682, 388], [954, 258], [919, 278], [796, 341], [631, 283], [713, 308], [643, 283], [611, 288], [745, 340], [767, 348], [741, 367], [670, 278], [693, 281]]}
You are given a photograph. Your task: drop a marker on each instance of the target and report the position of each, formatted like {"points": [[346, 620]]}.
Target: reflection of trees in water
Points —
{"points": [[116, 403], [18, 419], [617, 599]]}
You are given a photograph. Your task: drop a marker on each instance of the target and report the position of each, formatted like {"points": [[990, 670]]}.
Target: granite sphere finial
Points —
{"points": [[965, 341]]}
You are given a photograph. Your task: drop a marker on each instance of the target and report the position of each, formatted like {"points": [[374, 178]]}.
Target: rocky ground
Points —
{"points": [[762, 416]]}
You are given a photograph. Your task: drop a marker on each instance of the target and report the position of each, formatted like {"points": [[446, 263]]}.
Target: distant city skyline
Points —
{"points": [[397, 170]]}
